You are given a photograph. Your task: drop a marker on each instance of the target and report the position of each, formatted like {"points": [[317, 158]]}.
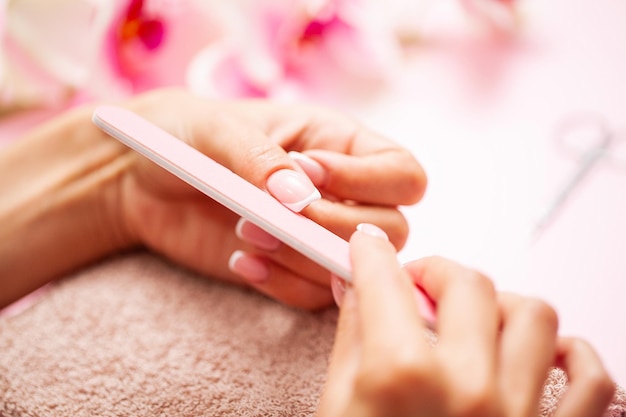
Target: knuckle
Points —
{"points": [[542, 312], [480, 281], [262, 152], [260, 158]]}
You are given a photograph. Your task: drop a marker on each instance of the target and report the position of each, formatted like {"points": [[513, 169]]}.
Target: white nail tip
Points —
{"points": [[298, 206], [234, 258]]}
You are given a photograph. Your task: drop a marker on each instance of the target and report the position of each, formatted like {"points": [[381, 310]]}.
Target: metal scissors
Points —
{"points": [[589, 138]]}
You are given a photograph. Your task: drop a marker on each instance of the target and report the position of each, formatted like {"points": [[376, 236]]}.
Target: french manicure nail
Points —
{"points": [[248, 267], [292, 188], [311, 167], [253, 234], [372, 230]]}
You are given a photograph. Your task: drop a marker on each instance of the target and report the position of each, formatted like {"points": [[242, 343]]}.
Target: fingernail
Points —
{"points": [[372, 230], [292, 188], [253, 234], [338, 288], [248, 267], [315, 171]]}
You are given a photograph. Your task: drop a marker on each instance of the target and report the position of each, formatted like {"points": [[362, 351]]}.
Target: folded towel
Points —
{"points": [[136, 336]]}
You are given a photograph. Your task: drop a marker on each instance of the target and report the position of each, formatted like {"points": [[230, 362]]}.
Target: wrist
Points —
{"points": [[59, 209]]}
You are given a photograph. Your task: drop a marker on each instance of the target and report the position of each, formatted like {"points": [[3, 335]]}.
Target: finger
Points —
{"points": [[467, 314], [232, 141], [198, 233], [590, 388], [258, 240], [339, 218], [248, 152], [389, 176], [357, 158], [342, 219], [391, 325], [278, 282], [361, 164], [527, 349]]}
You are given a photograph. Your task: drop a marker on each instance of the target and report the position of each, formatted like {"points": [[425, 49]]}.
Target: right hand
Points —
{"points": [[493, 354]]}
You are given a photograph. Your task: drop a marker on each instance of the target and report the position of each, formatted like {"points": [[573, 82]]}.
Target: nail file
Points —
{"points": [[227, 188]]}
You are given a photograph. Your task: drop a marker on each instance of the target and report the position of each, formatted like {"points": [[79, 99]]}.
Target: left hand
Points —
{"points": [[362, 176]]}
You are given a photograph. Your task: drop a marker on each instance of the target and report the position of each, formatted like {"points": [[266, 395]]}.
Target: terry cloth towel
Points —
{"points": [[136, 336]]}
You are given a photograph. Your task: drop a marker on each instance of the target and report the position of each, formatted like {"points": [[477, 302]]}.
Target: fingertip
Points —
{"points": [[430, 265], [250, 233], [293, 189], [369, 242], [387, 176], [249, 267], [372, 230], [313, 169], [435, 275], [415, 179]]}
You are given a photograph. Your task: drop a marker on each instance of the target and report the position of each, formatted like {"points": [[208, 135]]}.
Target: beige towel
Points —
{"points": [[136, 336]]}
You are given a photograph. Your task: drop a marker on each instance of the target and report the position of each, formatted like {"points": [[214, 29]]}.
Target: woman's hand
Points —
{"points": [[362, 176], [492, 357], [96, 196]]}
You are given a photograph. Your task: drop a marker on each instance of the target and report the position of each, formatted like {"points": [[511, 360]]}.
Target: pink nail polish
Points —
{"points": [[292, 188], [311, 167], [372, 230], [248, 267], [253, 234]]}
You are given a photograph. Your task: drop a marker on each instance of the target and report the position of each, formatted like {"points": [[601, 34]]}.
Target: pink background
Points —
{"points": [[480, 114]]}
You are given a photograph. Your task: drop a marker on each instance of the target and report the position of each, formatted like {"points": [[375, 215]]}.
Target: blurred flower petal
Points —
{"points": [[500, 15], [151, 43], [48, 48], [317, 48]]}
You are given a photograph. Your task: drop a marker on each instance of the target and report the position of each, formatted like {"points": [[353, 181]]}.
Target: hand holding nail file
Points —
{"points": [[227, 188]]}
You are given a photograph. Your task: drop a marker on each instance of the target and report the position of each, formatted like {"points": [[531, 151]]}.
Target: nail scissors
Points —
{"points": [[589, 138]]}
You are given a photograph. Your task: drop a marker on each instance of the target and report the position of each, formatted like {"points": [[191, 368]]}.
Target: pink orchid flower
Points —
{"points": [[321, 49], [133, 37], [58, 52], [150, 43]]}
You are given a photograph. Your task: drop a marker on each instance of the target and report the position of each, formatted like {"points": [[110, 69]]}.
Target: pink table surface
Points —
{"points": [[480, 114]]}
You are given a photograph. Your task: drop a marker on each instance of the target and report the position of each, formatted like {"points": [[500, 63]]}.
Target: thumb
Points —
{"points": [[247, 151]]}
